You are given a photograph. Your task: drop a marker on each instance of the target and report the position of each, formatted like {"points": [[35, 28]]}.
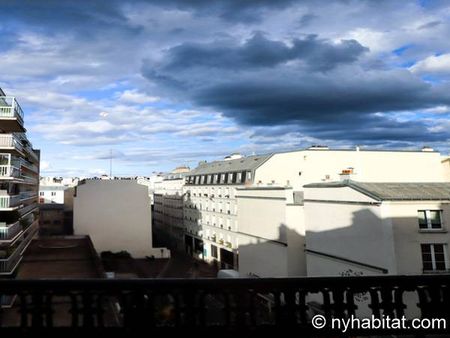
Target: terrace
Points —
{"points": [[218, 307]]}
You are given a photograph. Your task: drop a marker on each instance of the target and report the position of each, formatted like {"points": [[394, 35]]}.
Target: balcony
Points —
{"points": [[28, 166], [218, 307], [11, 143], [26, 195], [8, 202], [11, 114], [9, 171], [14, 253], [9, 232]]}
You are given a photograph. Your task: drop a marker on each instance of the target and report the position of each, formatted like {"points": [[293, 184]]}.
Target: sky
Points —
{"points": [[163, 83]]}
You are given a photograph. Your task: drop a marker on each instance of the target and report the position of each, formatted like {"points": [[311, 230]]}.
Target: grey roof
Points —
{"points": [[394, 191], [239, 164], [52, 187]]}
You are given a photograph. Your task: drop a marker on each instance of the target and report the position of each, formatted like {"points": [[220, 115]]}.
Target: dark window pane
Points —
{"points": [[426, 248], [440, 265], [214, 251], [422, 219], [427, 266], [438, 248]]}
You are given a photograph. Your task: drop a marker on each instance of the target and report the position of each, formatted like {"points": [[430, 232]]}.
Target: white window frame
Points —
{"points": [[428, 219], [433, 256]]}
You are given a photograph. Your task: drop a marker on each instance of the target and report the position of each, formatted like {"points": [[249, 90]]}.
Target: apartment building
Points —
{"points": [[50, 194], [349, 223], [19, 180], [116, 214], [227, 222], [168, 208], [360, 228]]}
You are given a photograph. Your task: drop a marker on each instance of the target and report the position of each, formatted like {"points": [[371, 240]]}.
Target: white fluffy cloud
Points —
{"points": [[434, 64]]}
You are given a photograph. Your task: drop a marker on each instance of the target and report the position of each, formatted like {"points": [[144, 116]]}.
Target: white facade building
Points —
{"points": [[231, 212], [359, 228], [375, 228], [150, 183], [49, 194], [168, 208], [116, 214]]}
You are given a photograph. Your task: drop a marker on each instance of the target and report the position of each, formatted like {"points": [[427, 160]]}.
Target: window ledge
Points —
{"points": [[434, 272], [439, 231]]}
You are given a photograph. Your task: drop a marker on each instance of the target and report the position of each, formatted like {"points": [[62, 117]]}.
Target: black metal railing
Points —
{"points": [[245, 307]]}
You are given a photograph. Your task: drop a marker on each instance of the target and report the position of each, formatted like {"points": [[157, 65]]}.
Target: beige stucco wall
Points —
{"points": [[385, 235], [116, 215], [446, 168], [407, 237], [353, 230], [369, 166], [274, 242]]}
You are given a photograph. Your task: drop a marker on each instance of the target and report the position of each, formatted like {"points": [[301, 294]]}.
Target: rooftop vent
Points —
{"points": [[426, 148], [318, 147], [233, 156]]}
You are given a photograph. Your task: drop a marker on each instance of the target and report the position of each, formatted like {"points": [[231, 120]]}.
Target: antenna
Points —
{"points": [[110, 164]]}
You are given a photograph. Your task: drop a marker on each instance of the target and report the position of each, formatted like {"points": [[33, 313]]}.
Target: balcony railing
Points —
{"points": [[27, 165], [274, 307], [8, 264], [9, 107], [8, 232], [8, 201], [10, 141], [27, 195], [9, 171]]}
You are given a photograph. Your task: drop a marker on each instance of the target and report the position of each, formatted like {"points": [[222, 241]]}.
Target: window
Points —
{"points": [[233, 178], [430, 219], [434, 257], [242, 177], [41, 193], [53, 193], [230, 178], [4, 159], [214, 251]]}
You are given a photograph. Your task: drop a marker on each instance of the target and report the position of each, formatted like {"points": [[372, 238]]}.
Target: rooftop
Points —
{"points": [[60, 257], [52, 187], [394, 191], [239, 164]]}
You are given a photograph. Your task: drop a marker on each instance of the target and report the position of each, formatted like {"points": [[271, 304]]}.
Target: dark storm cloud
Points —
{"points": [[318, 98], [56, 16], [327, 110], [230, 10], [259, 51], [311, 83]]}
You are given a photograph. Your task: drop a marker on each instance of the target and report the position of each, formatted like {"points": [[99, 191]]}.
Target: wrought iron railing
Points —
{"points": [[221, 307]]}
